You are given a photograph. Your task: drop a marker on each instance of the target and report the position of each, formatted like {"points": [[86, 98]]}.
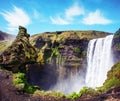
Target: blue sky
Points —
{"points": [[57, 15]]}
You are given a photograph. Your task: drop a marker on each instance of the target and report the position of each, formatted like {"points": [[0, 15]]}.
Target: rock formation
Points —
{"points": [[116, 46], [21, 52]]}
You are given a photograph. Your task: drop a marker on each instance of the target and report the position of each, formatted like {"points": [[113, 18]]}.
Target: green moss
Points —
{"points": [[4, 45], [49, 93], [21, 83], [84, 90], [73, 96], [113, 82], [113, 77], [77, 50]]}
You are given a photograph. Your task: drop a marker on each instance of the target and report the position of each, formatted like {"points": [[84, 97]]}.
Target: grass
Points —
{"points": [[113, 77], [4, 45], [21, 83], [49, 93], [84, 90]]}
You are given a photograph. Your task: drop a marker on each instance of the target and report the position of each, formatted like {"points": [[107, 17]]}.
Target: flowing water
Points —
{"points": [[99, 62]]}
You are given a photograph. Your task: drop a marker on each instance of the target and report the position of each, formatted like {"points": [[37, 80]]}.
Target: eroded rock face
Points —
{"points": [[116, 46], [21, 52]]}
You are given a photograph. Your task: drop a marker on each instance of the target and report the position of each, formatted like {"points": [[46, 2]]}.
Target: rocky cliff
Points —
{"points": [[116, 46], [21, 52], [68, 47], [62, 54]]}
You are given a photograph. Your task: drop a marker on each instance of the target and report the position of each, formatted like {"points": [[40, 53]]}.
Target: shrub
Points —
{"points": [[113, 77], [73, 96], [21, 83], [30, 89], [113, 82], [84, 90]]}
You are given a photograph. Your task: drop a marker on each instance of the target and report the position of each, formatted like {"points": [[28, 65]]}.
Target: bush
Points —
{"points": [[18, 80], [21, 83], [113, 82], [113, 77], [73, 96], [30, 89], [84, 90]]}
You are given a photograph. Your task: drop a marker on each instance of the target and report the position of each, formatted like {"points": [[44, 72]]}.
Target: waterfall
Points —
{"points": [[99, 61]]}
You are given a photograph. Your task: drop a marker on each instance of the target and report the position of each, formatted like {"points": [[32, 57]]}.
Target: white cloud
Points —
{"points": [[95, 18], [68, 15], [59, 21], [74, 10], [15, 18]]}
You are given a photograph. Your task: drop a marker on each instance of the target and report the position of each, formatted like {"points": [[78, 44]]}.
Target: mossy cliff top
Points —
{"points": [[63, 35], [71, 45], [20, 52]]}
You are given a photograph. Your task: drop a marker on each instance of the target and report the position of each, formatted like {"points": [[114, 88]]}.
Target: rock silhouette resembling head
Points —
{"points": [[19, 53]]}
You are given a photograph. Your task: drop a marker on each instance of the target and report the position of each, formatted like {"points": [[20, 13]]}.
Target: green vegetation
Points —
{"points": [[113, 77], [4, 45], [84, 90], [49, 93], [21, 83], [77, 50]]}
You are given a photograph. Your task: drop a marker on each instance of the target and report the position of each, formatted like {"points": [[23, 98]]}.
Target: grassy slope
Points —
{"points": [[91, 34], [4, 44], [113, 77]]}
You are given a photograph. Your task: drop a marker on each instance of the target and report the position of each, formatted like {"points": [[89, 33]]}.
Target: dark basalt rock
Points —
{"points": [[116, 46], [21, 52]]}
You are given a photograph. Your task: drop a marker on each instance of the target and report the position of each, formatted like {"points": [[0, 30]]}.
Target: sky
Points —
{"points": [[58, 15]]}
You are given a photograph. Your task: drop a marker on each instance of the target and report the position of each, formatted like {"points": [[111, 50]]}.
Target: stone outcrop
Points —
{"points": [[21, 52], [116, 46]]}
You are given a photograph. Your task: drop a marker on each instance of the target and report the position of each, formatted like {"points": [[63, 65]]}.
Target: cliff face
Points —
{"points": [[116, 46], [66, 48], [19, 53], [64, 53]]}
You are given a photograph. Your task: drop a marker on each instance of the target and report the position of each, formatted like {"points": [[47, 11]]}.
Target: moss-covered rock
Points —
{"points": [[21, 52], [113, 77], [116, 45]]}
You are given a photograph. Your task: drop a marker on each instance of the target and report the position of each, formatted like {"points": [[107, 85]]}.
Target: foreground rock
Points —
{"points": [[9, 93], [19, 53]]}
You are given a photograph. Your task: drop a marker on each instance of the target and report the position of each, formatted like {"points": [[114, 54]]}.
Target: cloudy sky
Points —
{"points": [[56, 15]]}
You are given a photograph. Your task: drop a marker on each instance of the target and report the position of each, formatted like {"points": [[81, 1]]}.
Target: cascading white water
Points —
{"points": [[99, 61]]}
